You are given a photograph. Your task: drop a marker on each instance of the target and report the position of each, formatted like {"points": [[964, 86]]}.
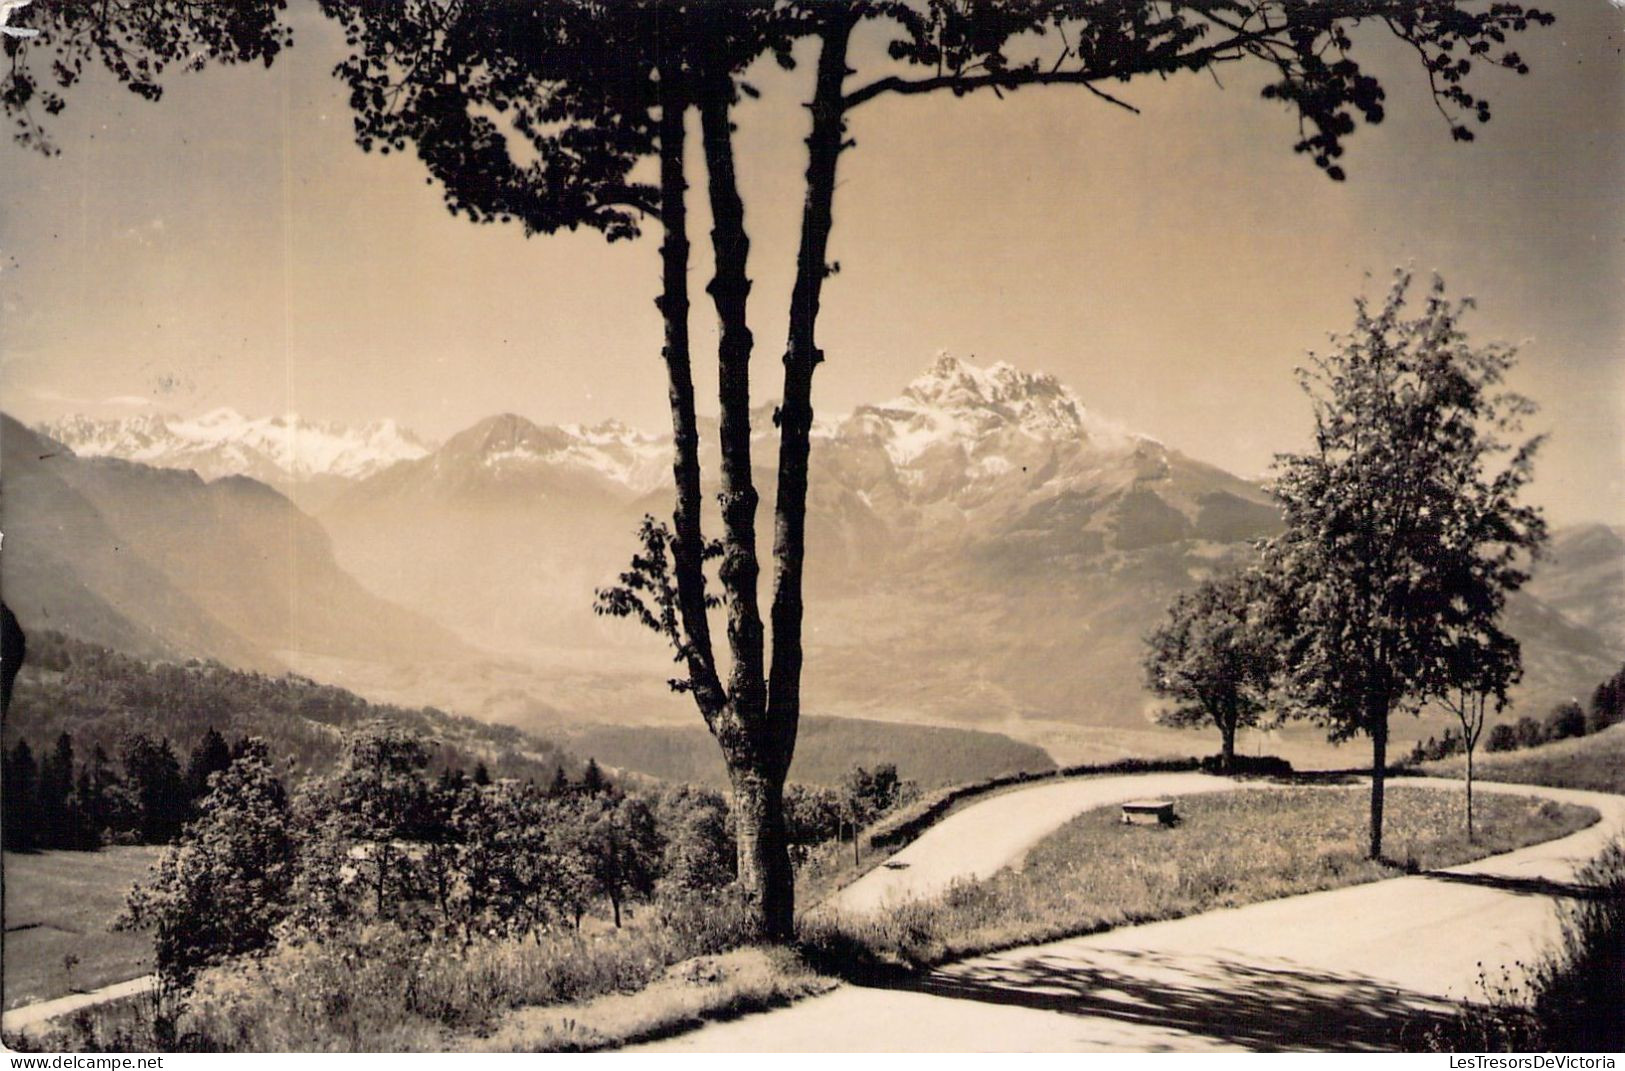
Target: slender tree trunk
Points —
{"points": [[730, 292], [802, 356], [764, 855], [1378, 727], [1469, 793], [688, 550], [1228, 728]]}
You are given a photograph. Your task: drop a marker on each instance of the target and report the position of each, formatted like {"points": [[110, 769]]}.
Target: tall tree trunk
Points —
{"points": [[730, 292], [801, 358], [764, 856], [1228, 728], [689, 548], [1378, 727]]}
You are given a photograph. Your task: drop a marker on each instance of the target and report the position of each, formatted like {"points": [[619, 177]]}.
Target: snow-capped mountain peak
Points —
{"points": [[285, 449], [508, 444], [960, 406]]}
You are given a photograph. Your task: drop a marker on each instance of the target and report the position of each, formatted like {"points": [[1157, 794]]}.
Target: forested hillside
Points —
{"points": [[100, 697]]}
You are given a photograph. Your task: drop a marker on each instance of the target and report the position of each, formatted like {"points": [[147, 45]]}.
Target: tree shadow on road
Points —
{"points": [[1522, 886], [1262, 1008]]}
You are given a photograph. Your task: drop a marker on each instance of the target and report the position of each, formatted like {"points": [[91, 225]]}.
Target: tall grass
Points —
{"points": [[1229, 849], [382, 989]]}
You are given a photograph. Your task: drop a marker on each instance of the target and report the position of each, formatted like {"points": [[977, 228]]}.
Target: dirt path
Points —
{"points": [[31, 1017], [1345, 970]]}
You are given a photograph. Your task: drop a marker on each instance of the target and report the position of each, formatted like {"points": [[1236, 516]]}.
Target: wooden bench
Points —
{"points": [[1149, 812]]}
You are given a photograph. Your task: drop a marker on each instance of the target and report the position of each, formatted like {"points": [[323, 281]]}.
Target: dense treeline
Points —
{"points": [[1564, 721], [146, 797], [100, 698]]}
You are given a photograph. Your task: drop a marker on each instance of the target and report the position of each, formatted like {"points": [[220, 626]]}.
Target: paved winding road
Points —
{"points": [[1345, 970]]}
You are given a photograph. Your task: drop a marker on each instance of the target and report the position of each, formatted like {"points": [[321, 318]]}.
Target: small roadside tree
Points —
{"points": [[1476, 672], [1402, 522], [1216, 655]]}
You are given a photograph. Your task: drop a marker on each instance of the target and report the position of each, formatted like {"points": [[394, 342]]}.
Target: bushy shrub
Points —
{"points": [[1247, 766]]}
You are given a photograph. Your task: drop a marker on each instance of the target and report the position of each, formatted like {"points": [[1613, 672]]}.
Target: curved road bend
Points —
{"points": [[985, 837], [1346, 970]]}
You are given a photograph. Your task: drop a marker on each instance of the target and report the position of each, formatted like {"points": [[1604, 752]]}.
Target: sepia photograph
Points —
{"points": [[780, 526]]}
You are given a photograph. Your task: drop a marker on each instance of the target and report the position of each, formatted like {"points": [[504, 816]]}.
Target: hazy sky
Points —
{"points": [[231, 246]]}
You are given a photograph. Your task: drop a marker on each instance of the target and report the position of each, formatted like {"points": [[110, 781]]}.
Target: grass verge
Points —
{"points": [[1595, 763], [1230, 849], [692, 993]]}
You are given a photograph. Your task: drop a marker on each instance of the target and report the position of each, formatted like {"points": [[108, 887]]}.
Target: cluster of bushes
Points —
{"points": [[475, 888], [1564, 721], [379, 841], [57, 802]]}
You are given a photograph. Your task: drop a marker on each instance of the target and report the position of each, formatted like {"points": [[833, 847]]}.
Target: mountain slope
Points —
{"points": [[1583, 576], [503, 532], [159, 562], [826, 749]]}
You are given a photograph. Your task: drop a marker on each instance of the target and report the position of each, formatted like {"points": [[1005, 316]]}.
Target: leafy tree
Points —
{"points": [[1566, 720], [363, 820], [592, 779], [223, 888], [699, 845], [540, 114], [136, 41], [812, 816], [868, 794], [1402, 524], [620, 845], [1217, 655]]}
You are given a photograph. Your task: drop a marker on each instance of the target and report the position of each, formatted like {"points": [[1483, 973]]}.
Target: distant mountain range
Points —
{"points": [[306, 459], [983, 549]]}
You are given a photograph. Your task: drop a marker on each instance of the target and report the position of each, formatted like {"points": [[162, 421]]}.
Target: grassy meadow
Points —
{"points": [[1229, 849], [1595, 762], [60, 904]]}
